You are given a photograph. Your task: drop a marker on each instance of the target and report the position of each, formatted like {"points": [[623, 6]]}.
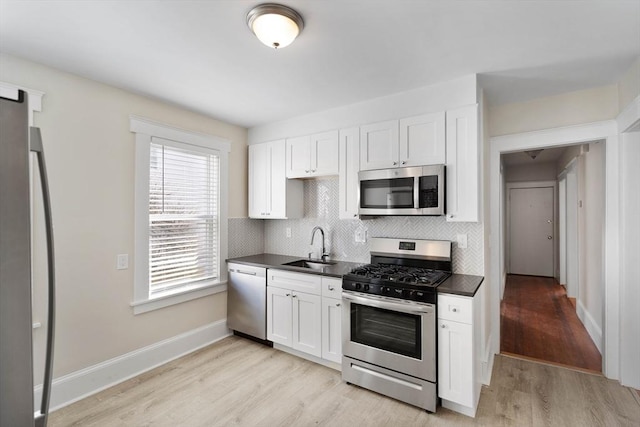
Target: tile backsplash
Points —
{"points": [[247, 237]]}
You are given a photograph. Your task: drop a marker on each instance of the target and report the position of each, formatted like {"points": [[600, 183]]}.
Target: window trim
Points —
{"points": [[146, 129]]}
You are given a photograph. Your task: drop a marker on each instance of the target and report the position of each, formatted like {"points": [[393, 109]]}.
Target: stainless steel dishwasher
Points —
{"points": [[247, 300]]}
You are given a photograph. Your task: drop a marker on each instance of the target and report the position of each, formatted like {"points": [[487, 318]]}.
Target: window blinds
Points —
{"points": [[183, 215]]}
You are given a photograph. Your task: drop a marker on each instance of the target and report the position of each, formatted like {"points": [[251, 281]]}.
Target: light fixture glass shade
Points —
{"points": [[275, 25]]}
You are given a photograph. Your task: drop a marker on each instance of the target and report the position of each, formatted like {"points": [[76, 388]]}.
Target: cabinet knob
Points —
{"points": [[444, 326], [404, 162], [337, 304], [294, 296], [355, 215], [306, 171], [455, 310], [395, 163], [313, 170], [331, 288]]}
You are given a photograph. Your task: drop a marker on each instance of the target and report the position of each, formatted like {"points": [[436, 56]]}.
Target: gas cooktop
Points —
{"points": [[402, 268]]}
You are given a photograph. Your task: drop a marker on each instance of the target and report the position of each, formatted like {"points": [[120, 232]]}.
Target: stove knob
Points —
{"points": [[358, 286], [386, 289], [408, 293], [366, 287], [398, 292]]}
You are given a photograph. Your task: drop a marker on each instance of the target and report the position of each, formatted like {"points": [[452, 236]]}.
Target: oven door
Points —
{"points": [[394, 334]]}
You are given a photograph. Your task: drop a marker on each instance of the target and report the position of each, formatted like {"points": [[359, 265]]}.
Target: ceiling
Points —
{"points": [[200, 55], [547, 155]]}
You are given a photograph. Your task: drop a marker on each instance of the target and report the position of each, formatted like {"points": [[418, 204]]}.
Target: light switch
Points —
{"points": [[288, 231], [462, 241], [122, 262]]}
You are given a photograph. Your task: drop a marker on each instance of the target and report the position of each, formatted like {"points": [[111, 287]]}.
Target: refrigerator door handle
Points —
{"points": [[35, 143]]}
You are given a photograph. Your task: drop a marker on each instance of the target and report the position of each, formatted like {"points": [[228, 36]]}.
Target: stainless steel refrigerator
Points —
{"points": [[17, 141]]}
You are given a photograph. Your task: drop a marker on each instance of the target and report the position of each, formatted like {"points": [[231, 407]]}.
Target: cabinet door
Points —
{"points": [[277, 193], [332, 329], [307, 315], [258, 180], [463, 164], [298, 157], [349, 161], [324, 154], [279, 316], [455, 362], [422, 140], [379, 145]]}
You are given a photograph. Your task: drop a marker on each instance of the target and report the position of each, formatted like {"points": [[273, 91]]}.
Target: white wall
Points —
{"points": [[629, 85], [440, 97], [591, 223], [630, 254], [531, 172], [90, 154], [584, 106]]}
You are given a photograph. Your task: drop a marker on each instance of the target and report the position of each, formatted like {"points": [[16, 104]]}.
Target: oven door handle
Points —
{"points": [[404, 308]]}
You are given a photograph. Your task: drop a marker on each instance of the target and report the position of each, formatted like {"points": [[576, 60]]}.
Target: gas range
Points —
{"points": [[389, 341], [406, 269]]}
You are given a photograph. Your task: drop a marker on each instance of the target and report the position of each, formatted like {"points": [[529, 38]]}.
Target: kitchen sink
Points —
{"points": [[312, 264]]}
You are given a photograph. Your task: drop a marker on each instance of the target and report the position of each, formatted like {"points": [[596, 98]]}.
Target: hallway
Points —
{"points": [[538, 321]]}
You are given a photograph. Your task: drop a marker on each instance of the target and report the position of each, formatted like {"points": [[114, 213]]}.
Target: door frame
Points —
{"points": [[532, 184], [604, 130], [569, 233]]}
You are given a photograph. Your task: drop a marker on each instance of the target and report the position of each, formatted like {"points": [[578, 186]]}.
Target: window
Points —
{"points": [[181, 227]]}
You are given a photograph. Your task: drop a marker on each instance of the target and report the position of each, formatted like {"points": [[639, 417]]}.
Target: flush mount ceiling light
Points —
{"points": [[533, 153], [275, 25]]}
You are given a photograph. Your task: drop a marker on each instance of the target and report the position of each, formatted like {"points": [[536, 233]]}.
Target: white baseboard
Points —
{"points": [[464, 410], [312, 358], [595, 332], [487, 361], [85, 382]]}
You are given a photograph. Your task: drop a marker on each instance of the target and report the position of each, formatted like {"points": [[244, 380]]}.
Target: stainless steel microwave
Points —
{"points": [[402, 191]]}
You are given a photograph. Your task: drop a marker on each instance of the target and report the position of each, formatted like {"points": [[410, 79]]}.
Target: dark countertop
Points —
{"points": [[338, 269], [461, 284], [457, 284]]}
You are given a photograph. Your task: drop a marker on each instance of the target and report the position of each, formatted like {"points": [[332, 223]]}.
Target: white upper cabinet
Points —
{"points": [[271, 194], [422, 140], [311, 156], [379, 145], [463, 160], [349, 167], [413, 141]]}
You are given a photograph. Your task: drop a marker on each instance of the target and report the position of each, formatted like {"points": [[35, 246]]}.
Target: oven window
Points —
{"points": [[393, 193], [429, 191], [399, 333]]}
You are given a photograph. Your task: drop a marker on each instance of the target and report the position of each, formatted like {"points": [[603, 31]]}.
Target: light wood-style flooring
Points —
{"points": [[538, 321], [237, 382]]}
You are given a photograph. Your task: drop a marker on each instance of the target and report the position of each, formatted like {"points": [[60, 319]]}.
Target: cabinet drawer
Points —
{"points": [[309, 283], [332, 287], [458, 309]]}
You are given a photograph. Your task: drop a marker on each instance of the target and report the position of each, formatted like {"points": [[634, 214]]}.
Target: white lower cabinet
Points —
{"points": [[303, 313], [459, 381], [332, 329]]}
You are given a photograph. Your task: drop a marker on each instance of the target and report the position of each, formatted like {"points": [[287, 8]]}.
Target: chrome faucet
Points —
{"points": [[325, 255]]}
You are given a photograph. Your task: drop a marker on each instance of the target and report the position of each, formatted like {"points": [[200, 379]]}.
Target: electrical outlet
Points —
{"points": [[360, 235], [288, 232], [122, 262], [462, 241]]}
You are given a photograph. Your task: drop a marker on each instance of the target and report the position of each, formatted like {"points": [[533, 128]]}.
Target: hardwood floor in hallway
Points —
{"points": [[538, 321]]}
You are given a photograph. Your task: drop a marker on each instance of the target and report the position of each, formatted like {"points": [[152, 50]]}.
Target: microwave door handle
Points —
{"points": [[416, 193]]}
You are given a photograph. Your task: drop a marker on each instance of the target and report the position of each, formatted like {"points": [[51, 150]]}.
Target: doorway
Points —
{"points": [[538, 320]]}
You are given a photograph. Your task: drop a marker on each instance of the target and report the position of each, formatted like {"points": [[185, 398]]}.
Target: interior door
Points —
{"points": [[531, 241]]}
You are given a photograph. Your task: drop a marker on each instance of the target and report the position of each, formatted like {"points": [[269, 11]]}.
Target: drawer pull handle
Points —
{"points": [[331, 288], [288, 295], [444, 326], [338, 305], [455, 310]]}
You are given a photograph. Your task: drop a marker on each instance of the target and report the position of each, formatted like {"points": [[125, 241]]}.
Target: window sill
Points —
{"points": [[172, 298]]}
